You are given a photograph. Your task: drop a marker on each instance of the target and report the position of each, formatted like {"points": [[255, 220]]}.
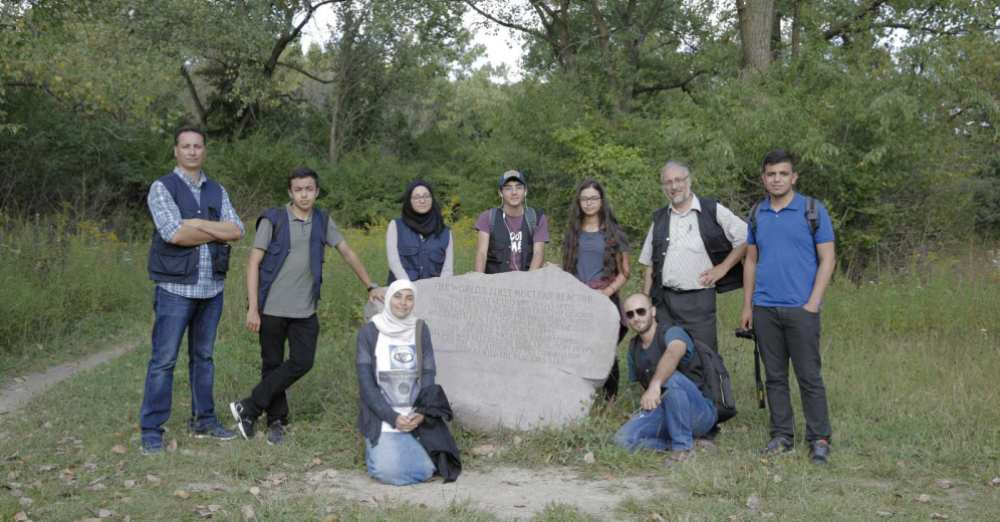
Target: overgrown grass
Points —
{"points": [[66, 287], [910, 364]]}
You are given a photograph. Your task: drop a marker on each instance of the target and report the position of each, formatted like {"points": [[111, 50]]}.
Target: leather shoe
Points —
{"points": [[777, 445]]}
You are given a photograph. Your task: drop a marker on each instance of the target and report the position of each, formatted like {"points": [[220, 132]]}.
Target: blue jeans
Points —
{"points": [[174, 315], [683, 413], [398, 459]]}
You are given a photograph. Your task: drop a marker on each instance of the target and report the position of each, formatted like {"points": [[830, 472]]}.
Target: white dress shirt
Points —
{"points": [[686, 255]]}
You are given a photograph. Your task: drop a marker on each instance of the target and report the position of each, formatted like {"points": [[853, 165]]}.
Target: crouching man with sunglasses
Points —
{"points": [[674, 409]]}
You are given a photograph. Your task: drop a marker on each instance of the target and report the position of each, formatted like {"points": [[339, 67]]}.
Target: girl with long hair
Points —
{"points": [[595, 249]]}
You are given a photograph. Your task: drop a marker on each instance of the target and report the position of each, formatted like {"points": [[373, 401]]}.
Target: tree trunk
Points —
{"points": [[344, 79], [796, 29], [756, 23], [776, 36], [333, 152]]}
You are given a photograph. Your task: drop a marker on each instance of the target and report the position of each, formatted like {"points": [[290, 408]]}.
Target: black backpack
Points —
{"points": [[716, 380]]}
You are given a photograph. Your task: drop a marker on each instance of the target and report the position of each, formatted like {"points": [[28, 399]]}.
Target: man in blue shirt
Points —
{"points": [[788, 266]]}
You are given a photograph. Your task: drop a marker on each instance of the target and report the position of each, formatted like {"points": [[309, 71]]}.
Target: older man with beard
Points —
{"points": [[692, 251]]}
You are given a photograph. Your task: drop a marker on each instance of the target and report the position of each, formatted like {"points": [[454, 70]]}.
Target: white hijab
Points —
{"points": [[391, 326]]}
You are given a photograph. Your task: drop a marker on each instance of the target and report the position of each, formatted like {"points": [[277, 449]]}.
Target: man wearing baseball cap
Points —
{"points": [[513, 236]]}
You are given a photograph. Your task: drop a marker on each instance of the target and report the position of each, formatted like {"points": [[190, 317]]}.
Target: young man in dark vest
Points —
{"points": [[511, 237], [284, 275], [786, 272], [188, 259], [692, 251], [675, 405]]}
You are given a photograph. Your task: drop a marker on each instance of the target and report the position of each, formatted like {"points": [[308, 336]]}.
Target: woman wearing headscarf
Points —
{"points": [[418, 243], [395, 360], [595, 250]]}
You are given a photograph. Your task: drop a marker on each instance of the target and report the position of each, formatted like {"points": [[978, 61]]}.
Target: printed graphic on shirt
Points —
{"points": [[515, 242], [398, 382]]}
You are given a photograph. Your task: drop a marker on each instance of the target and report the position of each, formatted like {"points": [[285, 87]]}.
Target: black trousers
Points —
{"points": [[792, 333], [277, 373], [693, 310], [610, 388]]}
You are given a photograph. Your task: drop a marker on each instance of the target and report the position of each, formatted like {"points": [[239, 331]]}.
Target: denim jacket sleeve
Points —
{"points": [[367, 387]]}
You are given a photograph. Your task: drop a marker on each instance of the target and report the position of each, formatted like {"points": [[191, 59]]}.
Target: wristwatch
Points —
{"points": [[372, 286]]}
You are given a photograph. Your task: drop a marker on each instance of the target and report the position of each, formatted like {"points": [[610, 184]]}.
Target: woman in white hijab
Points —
{"points": [[395, 360]]}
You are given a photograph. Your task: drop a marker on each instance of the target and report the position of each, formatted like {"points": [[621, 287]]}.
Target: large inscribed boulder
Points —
{"points": [[519, 350]]}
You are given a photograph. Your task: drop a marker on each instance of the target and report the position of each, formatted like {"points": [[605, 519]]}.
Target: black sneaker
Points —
{"points": [[244, 423], [210, 431], [819, 451], [275, 433], [152, 446], [777, 445]]}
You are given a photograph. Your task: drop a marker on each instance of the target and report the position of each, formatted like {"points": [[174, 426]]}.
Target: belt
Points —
{"points": [[679, 291]]}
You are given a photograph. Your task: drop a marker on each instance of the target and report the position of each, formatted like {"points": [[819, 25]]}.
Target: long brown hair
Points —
{"points": [[614, 237]]}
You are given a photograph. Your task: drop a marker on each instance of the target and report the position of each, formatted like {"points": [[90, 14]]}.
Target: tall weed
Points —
{"points": [[58, 275]]}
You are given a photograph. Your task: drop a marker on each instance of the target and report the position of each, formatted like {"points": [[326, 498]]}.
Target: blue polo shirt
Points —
{"points": [[786, 252]]}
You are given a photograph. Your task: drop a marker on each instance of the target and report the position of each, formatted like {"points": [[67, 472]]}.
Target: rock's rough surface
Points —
{"points": [[519, 350]]}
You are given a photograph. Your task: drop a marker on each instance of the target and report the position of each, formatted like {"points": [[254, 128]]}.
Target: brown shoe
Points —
{"points": [[705, 444], [677, 457]]}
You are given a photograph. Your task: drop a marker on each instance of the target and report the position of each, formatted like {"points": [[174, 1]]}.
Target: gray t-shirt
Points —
{"points": [[590, 255], [291, 293]]}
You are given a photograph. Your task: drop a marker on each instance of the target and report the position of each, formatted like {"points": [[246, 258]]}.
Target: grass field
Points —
{"points": [[910, 361]]}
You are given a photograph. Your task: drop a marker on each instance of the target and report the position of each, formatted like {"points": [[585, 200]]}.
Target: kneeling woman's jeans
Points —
{"points": [[398, 459]]}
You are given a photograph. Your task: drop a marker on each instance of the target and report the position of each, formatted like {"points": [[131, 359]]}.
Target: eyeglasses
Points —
{"points": [[590, 199], [513, 188], [675, 182], [426, 197], [638, 312]]}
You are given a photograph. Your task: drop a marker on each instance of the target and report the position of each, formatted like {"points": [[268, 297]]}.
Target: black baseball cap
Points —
{"points": [[512, 175]]}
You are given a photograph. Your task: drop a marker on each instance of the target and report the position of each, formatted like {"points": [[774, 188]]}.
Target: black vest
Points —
{"points": [[170, 263], [645, 369], [717, 246], [280, 245], [498, 254]]}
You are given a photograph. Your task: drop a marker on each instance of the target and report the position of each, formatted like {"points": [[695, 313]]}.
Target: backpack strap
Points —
{"points": [[752, 217], [493, 218], [812, 215], [532, 218]]}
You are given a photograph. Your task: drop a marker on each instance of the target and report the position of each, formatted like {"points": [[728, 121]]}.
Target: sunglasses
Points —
{"points": [[638, 312]]}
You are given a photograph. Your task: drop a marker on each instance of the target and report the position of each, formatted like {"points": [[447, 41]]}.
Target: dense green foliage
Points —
{"points": [[892, 107]]}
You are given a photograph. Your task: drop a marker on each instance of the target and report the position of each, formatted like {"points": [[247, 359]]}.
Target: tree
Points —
{"points": [[757, 23], [617, 50], [379, 56], [132, 59]]}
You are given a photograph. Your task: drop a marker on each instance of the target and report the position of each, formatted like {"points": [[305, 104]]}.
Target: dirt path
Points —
{"points": [[508, 492], [22, 389]]}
